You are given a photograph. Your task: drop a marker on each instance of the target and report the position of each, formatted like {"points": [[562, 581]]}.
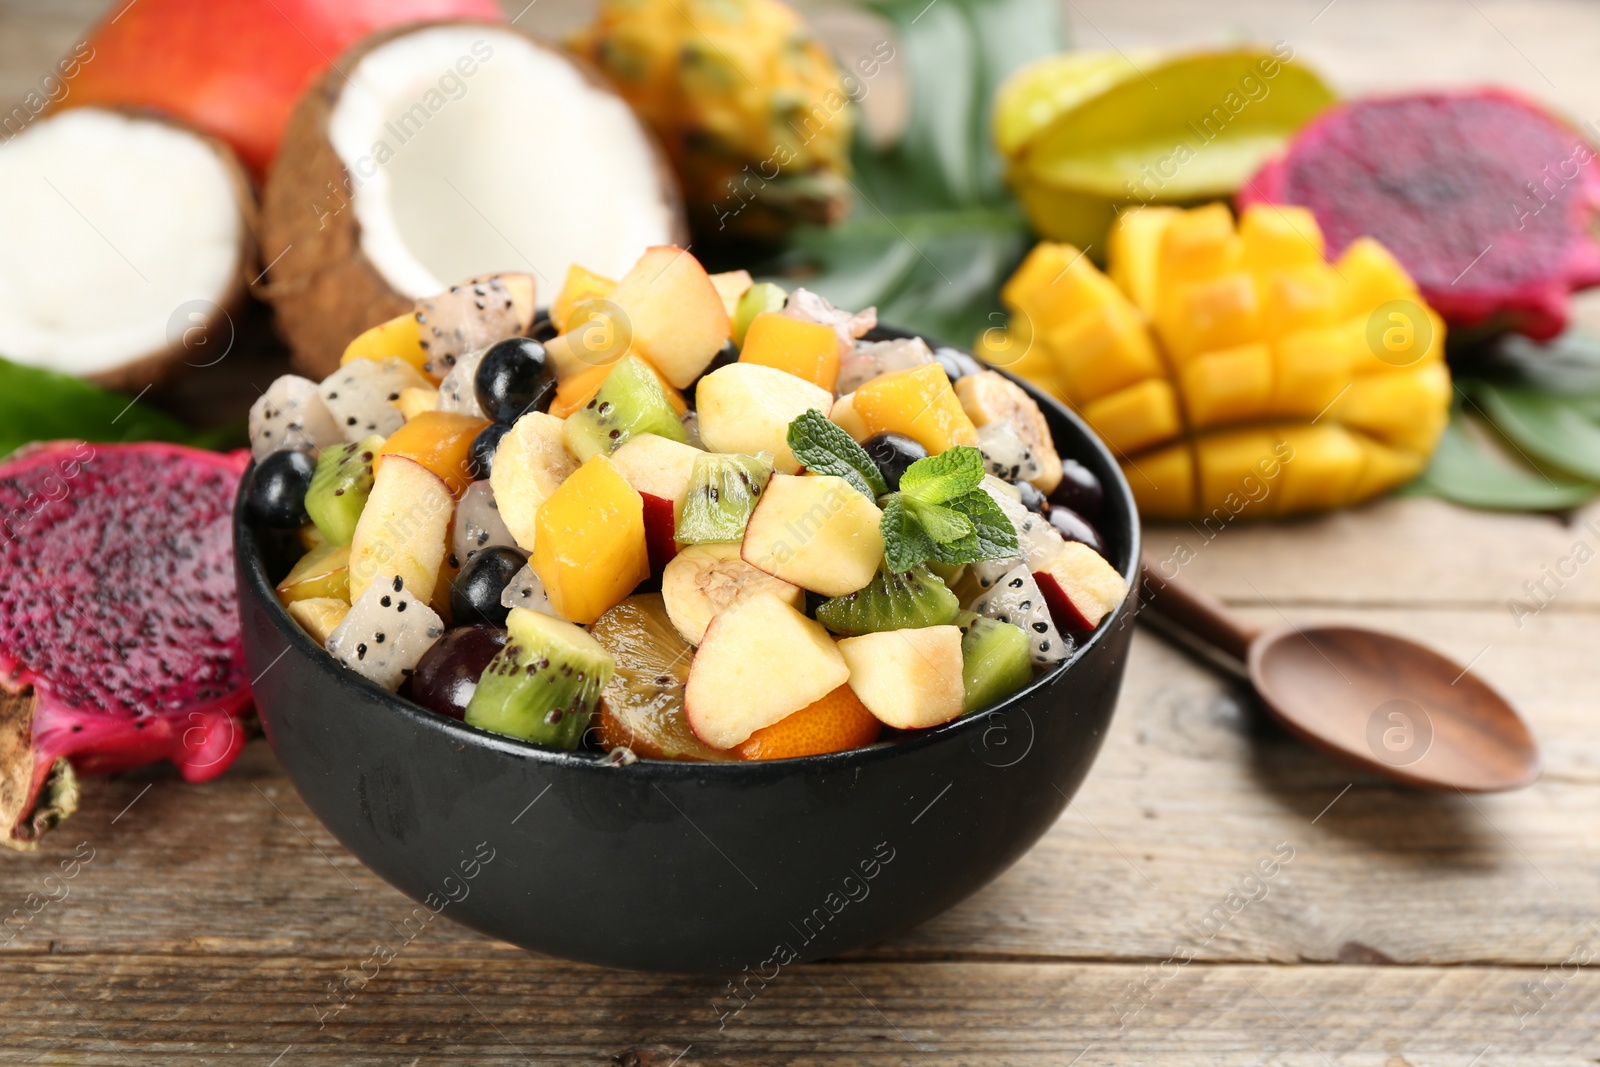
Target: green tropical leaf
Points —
{"points": [[1552, 428], [1468, 468], [41, 405], [933, 233]]}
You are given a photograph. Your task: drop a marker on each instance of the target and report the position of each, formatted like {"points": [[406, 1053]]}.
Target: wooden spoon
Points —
{"points": [[1374, 699]]}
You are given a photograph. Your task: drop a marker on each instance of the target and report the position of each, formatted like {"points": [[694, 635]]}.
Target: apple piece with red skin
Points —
{"points": [[760, 661], [1080, 588], [658, 469], [235, 68]]}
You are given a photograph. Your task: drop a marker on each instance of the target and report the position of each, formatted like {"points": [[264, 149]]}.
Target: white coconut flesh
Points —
{"points": [[523, 164], [115, 233]]}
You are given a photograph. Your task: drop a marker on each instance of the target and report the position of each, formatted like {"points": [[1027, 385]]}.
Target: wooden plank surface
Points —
{"points": [[204, 924]]}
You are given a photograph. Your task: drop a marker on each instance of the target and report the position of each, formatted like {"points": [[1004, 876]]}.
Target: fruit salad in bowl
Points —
{"points": [[683, 524], [551, 544]]}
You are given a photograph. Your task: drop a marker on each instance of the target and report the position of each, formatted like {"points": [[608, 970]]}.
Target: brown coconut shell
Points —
{"points": [[154, 368], [322, 287]]}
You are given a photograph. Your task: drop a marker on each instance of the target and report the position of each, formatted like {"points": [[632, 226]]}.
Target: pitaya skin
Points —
{"points": [[118, 608], [1498, 171]]}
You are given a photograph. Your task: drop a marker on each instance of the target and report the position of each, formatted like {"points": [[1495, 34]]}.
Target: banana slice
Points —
{"points": [[701, 580], [989, 397]]}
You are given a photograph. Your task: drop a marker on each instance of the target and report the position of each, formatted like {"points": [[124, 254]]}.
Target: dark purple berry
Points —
{"points": [[1032, 499], [480, 458], [1079, 490], [278, 489], [475, 593], [1073, 527], [893, 453], [956, 364], [448, 672], [514, 377]]}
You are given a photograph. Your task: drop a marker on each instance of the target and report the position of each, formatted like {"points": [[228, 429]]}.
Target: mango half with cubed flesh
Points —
{"points": [[1232, 369]]}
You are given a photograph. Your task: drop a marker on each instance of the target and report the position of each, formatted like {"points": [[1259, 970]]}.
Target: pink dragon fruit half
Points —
{"points": [[1488, 200], [119, 627]]}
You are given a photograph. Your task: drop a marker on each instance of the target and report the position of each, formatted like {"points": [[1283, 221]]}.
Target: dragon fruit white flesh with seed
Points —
{"points": [[477, 524], [291, 416], [458, 392], [1038, 540], [386, 633], [362, 394], [119, 624], [1016, 599]]}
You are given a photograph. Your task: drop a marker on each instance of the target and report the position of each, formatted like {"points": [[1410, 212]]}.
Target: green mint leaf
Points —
{"points": [[823, 448], [905, 542], [995, 535], [942, 478], [942, 524]]}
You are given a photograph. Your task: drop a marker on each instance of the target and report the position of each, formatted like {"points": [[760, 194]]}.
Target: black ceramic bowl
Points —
{"points": [[684, 866]]}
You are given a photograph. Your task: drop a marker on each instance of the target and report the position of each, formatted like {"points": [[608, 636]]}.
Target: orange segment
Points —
{"points": [[806, 350], [918, 403], [579, 389], [589, 546], [439, 440], [836, 723]]}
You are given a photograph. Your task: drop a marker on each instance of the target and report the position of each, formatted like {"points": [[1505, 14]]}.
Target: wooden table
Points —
{"points": [[206, 924]]}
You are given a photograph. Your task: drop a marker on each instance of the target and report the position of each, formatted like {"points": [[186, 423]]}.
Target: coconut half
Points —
{"points": [[123, 239], [443, 152]]}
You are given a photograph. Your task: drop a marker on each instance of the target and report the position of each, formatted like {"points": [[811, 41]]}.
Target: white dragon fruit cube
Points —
{"points": [[362, 395], [458, 392], [1005, 454], [525, 590], [1016, 599], [291, 416], [385, 634], [477, 524]]}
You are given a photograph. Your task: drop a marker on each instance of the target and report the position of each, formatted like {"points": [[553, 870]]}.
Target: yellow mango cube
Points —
{"points": [[1136, 417], [589, 545], [399, 337], [1227, 386], [918, 403], [1105, 349], [1280, 236]]}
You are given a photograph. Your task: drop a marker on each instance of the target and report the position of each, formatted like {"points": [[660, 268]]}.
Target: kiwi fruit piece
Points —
{"points": [[995, 660], [339, 488], [905, 601], [723, 491], [759, 299], [544, 685], [630, 402]]}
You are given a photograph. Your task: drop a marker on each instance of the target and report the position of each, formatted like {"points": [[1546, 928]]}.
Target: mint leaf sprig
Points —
{"points": [[941, 512], [823, 447]]}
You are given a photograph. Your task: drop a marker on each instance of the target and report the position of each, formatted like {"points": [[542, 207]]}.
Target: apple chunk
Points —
{"points": [[402, 529], [530, 464], [1080, 587], [762, 661], [816, 532], [674, 313], [659, 470], [745, 407], [909, 679]]}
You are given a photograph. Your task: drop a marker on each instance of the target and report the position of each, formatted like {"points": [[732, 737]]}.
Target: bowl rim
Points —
{"points": [[252, 569]]}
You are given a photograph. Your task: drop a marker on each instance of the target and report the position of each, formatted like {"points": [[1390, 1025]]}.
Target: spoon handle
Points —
{"points": [[1197, 612]]}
